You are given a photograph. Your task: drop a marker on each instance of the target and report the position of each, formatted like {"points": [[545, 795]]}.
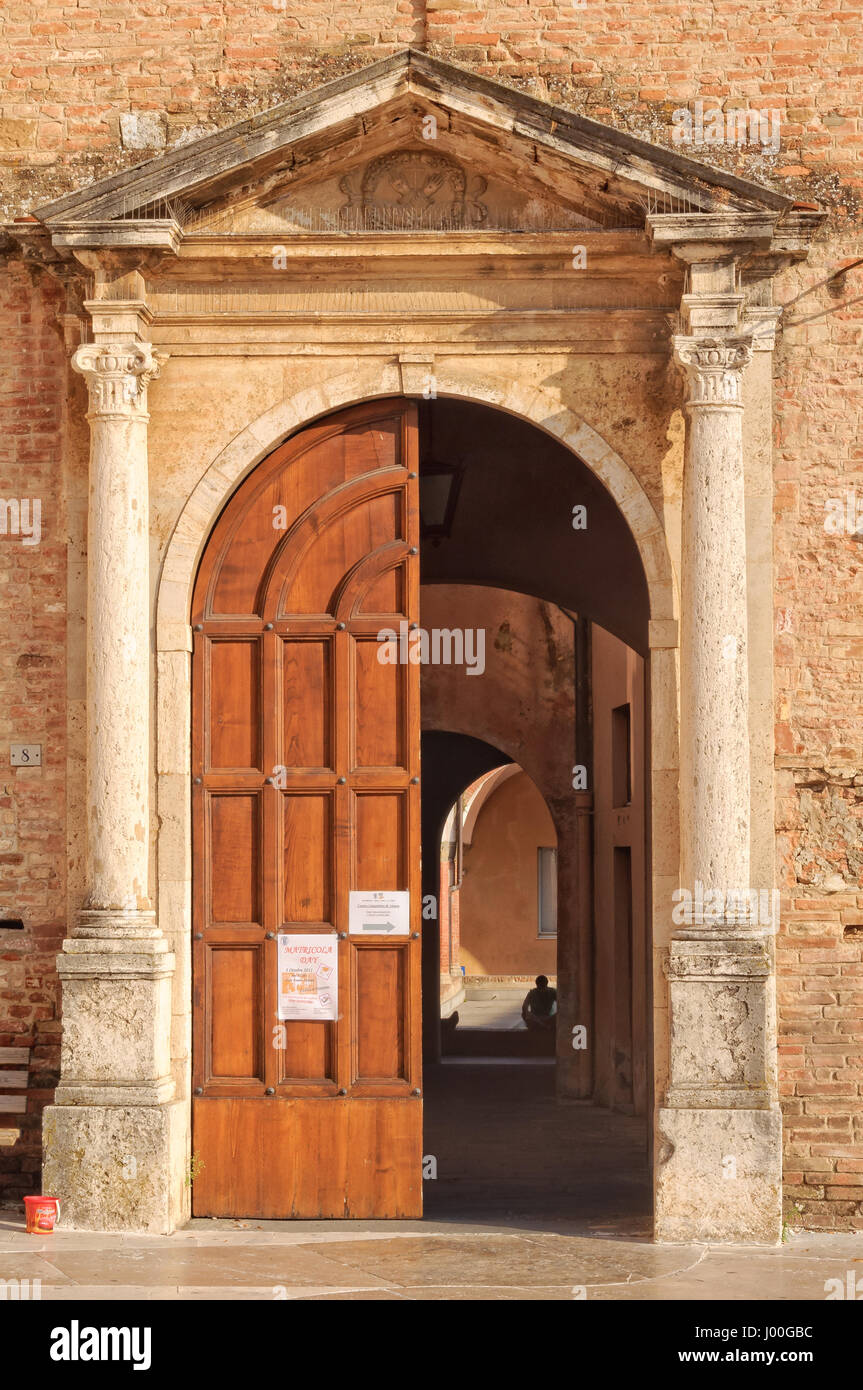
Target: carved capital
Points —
{"points": [[117, 377], [714, 368]]}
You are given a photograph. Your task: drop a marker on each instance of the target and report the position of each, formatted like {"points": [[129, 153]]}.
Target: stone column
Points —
{"points": [[576, 1050], [714, 728], [118, 605], [719, 1132], [111, 1135]]}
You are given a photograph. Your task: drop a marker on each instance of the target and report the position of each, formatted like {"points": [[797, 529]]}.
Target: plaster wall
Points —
{"points": [[498, 898]]}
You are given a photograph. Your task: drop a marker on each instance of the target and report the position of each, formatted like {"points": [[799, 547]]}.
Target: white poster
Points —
{"points": [[381, 914], [308, 976]]}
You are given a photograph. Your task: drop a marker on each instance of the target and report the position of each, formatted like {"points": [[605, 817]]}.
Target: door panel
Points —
{"points": [[235, 1004], [308, 1053], [305, 786], [235, 718], [234, 845], [379, 723], [380, 1004], [266, 1172], [307, 862], [306, 679], [380, 819]]}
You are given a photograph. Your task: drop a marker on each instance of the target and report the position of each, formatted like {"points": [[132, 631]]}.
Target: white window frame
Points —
{"points": [[546, 892]]}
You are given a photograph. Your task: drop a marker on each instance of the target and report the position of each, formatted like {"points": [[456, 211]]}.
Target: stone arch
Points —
{"points": [[488, 786], [538, 406]]}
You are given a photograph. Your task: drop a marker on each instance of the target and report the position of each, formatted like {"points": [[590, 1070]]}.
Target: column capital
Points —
{"points": [[117, 375], [713, 368]]}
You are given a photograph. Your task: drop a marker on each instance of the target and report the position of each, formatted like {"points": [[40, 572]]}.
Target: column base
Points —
{"points": [[117, 1167], [718, 1176], [116, 971], [124, 1095]]}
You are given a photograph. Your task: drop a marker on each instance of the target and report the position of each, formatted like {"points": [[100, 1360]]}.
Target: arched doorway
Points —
{"points": [[498, 917], [338, 571]]}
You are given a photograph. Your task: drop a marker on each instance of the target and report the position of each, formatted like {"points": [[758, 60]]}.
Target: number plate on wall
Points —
{"points": [[26, 754]]}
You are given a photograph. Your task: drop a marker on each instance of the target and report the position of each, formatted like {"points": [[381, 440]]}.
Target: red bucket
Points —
{"points": [[42, 1212]]}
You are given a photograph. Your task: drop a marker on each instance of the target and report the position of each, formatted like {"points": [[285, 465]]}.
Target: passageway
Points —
{"points": [[507, 1149], [533, 835]]}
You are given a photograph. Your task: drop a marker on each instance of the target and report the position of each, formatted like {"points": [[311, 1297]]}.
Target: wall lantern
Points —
{"points": [[439, 488]]}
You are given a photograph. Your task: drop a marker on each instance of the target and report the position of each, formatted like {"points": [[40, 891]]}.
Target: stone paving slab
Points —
{"points": [[270, 1267], [504, 1261], [421, 1261]]}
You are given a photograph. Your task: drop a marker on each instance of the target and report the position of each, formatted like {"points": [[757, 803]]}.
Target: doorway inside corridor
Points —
{"points": [[498, 919]]}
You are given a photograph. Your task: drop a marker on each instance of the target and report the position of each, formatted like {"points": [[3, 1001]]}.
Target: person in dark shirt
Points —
{"points": [[540, 1006]]}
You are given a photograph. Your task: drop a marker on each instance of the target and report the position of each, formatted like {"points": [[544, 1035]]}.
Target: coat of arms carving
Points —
{"points": [[413, 189]]}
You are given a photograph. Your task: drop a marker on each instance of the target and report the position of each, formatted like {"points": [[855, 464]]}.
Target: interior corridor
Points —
{"points": [[507, 1149]]}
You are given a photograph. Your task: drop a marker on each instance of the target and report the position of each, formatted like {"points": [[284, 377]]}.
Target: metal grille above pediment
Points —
{"points": [[401, 190], [308, 218]]}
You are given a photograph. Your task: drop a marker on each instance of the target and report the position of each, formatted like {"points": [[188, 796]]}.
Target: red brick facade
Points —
{"points": [[32, 706], [67, 76]]}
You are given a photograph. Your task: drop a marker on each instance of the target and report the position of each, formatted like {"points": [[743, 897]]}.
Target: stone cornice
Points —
{"points": [[158, 233], [706, 235], [762, 242]]}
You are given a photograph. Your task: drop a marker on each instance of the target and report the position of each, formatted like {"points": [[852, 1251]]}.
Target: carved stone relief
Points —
{"points": [[416, 189]]}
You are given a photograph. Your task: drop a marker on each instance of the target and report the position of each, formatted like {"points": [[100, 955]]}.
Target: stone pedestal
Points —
{"points": [[719, 1176], [719, 1169], [114, 1135], [114, 1148], [117, 1167], [116, 972]]}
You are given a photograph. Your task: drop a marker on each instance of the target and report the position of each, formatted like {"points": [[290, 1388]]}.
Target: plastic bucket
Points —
{"points": [[42, 1212]]}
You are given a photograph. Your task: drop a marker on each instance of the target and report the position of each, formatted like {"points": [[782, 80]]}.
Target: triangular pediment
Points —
{"points": [[415, 186], [412, 142]]}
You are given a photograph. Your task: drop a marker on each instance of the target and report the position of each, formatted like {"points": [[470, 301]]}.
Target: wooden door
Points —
{"points": [[305, 774]]}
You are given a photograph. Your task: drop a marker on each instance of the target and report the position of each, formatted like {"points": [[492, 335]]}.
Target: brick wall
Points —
{"points": [[87, 89], [819, 743], [32, 710], [68, 74]]}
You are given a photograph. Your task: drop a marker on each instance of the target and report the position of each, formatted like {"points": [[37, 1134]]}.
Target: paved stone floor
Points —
{"points": [[493, 1008], [425, 1261], [533, 1200]]}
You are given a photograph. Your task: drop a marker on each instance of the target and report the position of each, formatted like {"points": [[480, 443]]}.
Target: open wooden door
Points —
{"points": [[305, 771]]}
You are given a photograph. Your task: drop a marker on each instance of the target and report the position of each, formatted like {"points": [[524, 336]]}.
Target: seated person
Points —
{"points": [[540, 1006]]}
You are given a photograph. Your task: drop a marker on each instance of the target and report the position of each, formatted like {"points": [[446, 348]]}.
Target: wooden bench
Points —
{"points": [[13, 1083]]}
